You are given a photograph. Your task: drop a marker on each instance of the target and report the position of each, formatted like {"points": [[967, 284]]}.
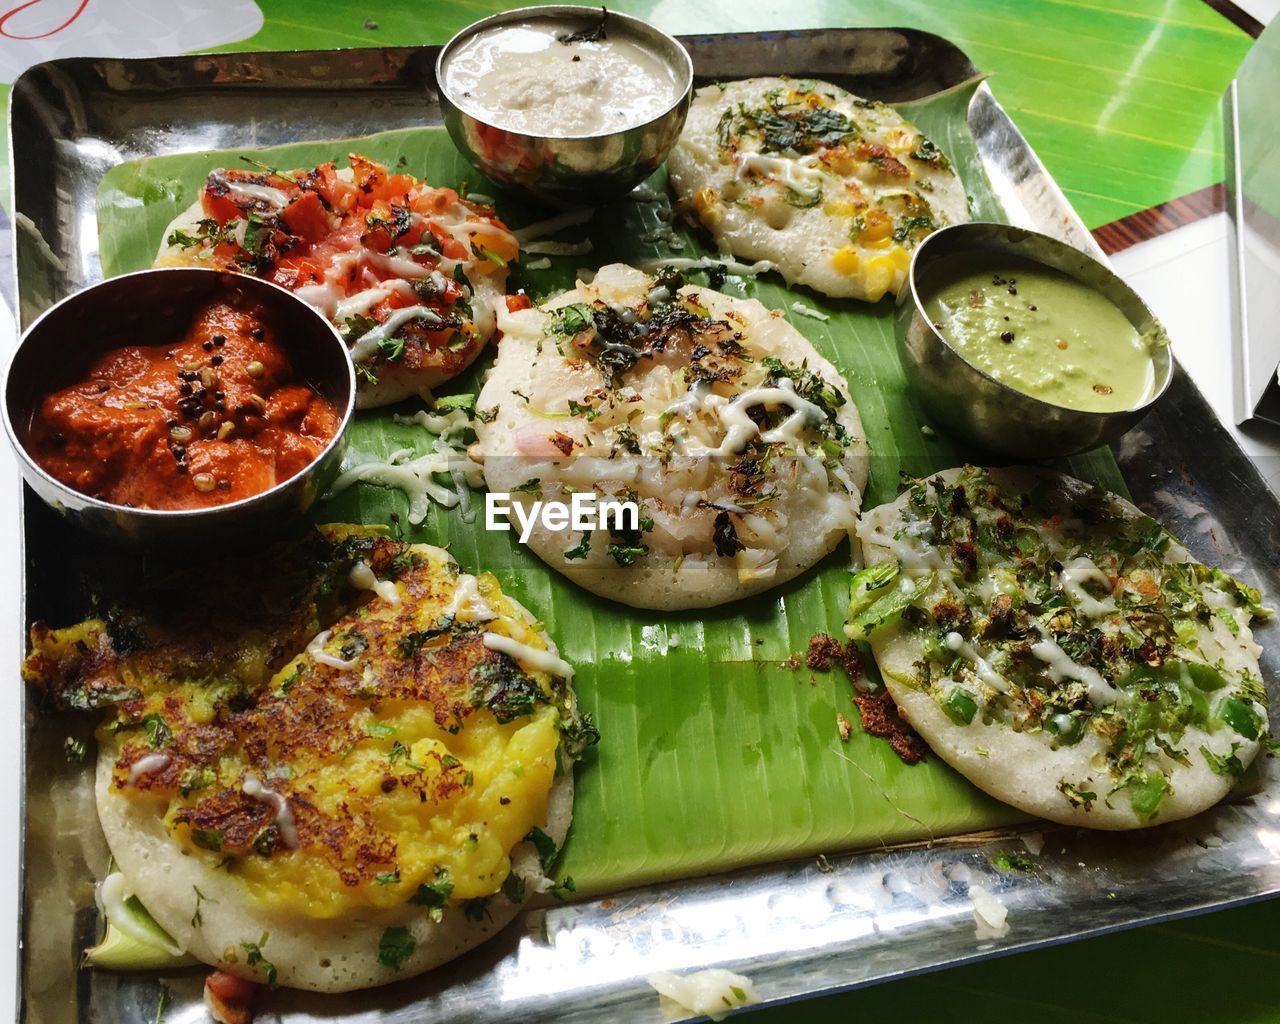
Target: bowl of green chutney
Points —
{"points": [[1022, 344]]}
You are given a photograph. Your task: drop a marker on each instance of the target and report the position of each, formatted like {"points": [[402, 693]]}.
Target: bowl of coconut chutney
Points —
{"points": [[569, 105]]}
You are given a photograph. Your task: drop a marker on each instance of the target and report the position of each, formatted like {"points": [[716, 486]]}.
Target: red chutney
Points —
{"points": [[211, 419]]}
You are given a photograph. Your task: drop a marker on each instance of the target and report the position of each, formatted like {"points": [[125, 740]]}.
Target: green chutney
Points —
{"points": [[1043, 333]]}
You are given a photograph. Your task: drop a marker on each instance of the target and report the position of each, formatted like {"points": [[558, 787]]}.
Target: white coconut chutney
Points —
{"points": [[542, 78]]}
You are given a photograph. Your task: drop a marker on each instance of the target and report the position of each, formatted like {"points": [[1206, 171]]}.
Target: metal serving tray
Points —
{"points": [[796, 929]]}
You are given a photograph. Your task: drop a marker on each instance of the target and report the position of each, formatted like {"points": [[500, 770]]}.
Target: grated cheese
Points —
{"points": [[809, 311]]}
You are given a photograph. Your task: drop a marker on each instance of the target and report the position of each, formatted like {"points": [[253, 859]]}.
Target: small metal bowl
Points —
{"points": [[568, 170], [974, 405], [152, 307]]}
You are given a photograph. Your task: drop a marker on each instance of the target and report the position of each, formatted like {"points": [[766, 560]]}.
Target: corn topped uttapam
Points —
{"points": [[835, 190], [1060, 648], [329, 808], [734, 438], [408, 273]]}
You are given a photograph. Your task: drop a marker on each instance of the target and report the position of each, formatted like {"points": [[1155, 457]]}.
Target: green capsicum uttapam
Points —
{"points": [[1060, 648]]}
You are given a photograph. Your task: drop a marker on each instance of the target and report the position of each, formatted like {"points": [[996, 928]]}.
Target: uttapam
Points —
{"points": [[408, 273], [359, 787], [835, 190], [1060, 648], [737, 442]]}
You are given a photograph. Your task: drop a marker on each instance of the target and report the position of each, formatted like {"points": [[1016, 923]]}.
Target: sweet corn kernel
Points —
{"points": [[846, 260], [877, 229], [878, 276], [838, 208]]}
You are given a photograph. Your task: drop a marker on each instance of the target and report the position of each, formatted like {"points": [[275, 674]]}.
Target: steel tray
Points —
{"points": [[796, 929]]}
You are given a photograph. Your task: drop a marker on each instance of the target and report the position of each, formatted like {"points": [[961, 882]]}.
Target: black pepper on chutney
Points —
{"points": [[207, 420]]}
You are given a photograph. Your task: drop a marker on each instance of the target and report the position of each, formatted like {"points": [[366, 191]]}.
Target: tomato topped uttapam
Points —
{"points": [[407, 272]]}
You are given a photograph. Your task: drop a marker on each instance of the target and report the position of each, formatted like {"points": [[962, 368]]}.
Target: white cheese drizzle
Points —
{"points": [[809, 311], [1073, 576], [279, 805], [916, 556], [801, 175], [324, 296], [467, 603], [247, 192], [446, 426], [531, 659], [396, 262], [368, 343], [319, 655], [363, 577], [980, 663], [1062, 666], [360, 302], [693, 401], [741, 428], [148, 764]]}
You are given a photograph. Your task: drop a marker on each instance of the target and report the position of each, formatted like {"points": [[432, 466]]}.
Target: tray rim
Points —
{"points": [[1072, 222]]}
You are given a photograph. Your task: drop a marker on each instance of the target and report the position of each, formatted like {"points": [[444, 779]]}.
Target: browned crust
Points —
{"points": [[315, 715]]}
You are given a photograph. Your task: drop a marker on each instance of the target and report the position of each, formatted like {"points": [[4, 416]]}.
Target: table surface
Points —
{"points": [[1122, 106]]}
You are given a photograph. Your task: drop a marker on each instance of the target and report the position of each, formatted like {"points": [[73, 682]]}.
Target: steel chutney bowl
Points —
{"points": [[977, 407], [568, 170], [154, 307]]}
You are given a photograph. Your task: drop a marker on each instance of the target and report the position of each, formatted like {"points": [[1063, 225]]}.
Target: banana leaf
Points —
{"points": [[716, 751]]}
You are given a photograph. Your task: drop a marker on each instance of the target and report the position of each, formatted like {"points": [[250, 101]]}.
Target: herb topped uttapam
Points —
{"points": [[409, 274], [1059, 648], [833, 189], [735, 438], [357, 787]]}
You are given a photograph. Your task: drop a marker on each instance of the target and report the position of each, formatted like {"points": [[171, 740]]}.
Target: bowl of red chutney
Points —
{"points": [[170, 404]]}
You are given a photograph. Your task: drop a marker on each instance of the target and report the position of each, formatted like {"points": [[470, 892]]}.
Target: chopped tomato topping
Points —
{"points": [[229, 998], [306, 218], [339, 237]]}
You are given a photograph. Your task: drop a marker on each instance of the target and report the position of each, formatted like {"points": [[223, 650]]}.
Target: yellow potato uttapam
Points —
{"points": [[358, 793]]}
